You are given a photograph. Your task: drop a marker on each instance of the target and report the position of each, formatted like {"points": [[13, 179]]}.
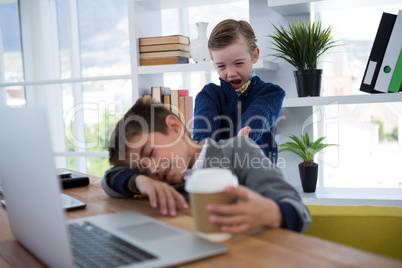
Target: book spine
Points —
{"points": [[168, 39], [189, 114], [183, 92], [165, 90], [174, 101], [163, 61], [377, 53], [164, 47], [182, 110], [390, 56], [396, 80], [166, 101], [164, 54], [156, 94]]}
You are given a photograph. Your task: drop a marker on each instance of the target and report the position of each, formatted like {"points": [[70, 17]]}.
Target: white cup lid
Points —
{"points": [[210, 180]]}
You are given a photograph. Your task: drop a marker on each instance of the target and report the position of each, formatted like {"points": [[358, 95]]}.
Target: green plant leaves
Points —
{"points": [[304, 147], [302, 44]]}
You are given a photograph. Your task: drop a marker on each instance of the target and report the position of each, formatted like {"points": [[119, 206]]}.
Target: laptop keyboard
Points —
{"points": [[95, 247]]}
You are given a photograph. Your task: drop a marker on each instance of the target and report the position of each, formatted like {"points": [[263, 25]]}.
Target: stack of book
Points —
{"points": [[171, 49], [384, 68], [176, 100]]}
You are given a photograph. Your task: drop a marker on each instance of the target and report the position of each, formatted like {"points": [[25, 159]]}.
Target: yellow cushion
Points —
{"points": [[371, 228]]}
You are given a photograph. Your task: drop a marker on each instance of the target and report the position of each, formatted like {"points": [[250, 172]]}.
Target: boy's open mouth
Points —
{"points": [[235, 83]]}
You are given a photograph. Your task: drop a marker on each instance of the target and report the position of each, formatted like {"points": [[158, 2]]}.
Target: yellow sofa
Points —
{"points": [[372, 228]]}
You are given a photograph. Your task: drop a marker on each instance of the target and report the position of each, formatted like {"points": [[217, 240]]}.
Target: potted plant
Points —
{"points": [[301, 46], [306, 149]]}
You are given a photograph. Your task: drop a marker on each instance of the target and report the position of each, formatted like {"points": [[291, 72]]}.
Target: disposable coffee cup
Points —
{"points": [[206, 186]]}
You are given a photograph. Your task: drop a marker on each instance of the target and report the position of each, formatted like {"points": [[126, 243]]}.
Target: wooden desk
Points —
{"points": [[267, 248]]}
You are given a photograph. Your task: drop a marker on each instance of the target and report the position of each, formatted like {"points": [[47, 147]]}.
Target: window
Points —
{"points": [[369, 134], [93, 42], [75, 63], [11, 67]]}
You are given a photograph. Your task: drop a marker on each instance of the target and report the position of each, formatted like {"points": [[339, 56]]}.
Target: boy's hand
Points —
{"points": [[244, 131], [161, 193], [251, 210]]}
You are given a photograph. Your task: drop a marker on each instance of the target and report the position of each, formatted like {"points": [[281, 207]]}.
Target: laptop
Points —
{"points": [[67, 202], [37, 220]]}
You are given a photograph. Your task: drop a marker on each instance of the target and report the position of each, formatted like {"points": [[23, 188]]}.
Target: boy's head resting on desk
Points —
{"points": [[153, 140], [233, 49]]}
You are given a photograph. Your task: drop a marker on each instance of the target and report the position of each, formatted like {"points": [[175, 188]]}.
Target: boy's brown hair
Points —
{"points": [[145, 116], [230, 31]]}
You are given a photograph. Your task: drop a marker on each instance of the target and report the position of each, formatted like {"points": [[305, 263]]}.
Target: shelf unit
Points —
{"points": [[298, 114], [290, 7], [353, 196], [352, 99], [296, 117], [197, 67], [298, 7], [297, 111], [147, 22]]}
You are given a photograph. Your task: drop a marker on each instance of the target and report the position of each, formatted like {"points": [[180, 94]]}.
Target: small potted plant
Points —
{"points": [[301, 46], [306, 149]]}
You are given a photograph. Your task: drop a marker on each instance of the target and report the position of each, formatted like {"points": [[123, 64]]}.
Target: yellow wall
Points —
{"points": [[371, 228]]}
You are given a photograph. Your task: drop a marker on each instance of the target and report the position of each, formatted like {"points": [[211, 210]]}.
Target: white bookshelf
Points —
{"points": [[147, 22], [169, 4], [298, 7], [197, 67], [353, 196], [335, 100], [290, 7]]}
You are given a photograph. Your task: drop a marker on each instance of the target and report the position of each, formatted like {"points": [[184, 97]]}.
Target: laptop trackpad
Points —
{"points": [[149, 231]]}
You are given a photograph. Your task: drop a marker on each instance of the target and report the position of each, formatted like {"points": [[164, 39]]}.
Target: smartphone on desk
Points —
{"points": [[62, 173], [70, 179], [68, 202]]}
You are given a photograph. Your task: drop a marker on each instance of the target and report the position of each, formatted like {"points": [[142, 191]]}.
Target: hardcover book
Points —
{"points": [[168, 39], [165, 54], [156, 93], [164, 47], [165, 90], [174, 99], [166, 101], [189, 113], [182, 109], [163, 61]]}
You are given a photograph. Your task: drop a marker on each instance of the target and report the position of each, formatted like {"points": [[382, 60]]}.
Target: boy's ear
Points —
{"points": [[173, 123], [256, 54]]}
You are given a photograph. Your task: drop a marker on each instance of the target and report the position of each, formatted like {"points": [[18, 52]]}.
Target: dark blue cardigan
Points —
{"points": [[217, 108]]}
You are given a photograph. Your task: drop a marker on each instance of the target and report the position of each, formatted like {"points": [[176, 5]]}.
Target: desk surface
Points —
{"points": [[266, 248]]}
